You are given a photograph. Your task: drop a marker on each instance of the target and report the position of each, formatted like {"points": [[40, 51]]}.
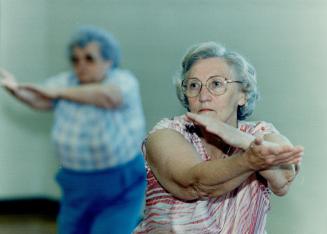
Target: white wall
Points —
{"points": [[285, 40], [27, 163]]}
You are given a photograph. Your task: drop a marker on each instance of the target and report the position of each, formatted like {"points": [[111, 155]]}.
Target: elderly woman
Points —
{"points": [[97, 132], [210, 171]]}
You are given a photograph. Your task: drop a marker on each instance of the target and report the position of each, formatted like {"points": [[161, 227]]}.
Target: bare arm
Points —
{"points": [[105, 96], [177, 166], [280, 177], [25, 93]]}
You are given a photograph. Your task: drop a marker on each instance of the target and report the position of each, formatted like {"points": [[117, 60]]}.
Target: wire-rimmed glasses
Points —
{"points": [[216, 85]]}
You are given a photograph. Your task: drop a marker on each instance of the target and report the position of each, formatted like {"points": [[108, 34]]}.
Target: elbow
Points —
{"points": [[199, 191], [108, 102], [190, 191], [203, 190], [281, 191]]}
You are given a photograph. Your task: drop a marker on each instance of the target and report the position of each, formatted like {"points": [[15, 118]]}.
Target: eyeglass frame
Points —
{"points": [[88, 58], [225, 82]]}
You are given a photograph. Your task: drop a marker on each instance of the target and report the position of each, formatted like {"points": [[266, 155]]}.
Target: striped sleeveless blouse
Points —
{"points": [[241, 211]]}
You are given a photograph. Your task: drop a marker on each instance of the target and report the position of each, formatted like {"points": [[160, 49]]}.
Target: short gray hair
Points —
{"points": [[245, 72]]}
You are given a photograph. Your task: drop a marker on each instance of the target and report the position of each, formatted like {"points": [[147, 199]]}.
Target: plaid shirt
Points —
{"points": [[89, 138]]}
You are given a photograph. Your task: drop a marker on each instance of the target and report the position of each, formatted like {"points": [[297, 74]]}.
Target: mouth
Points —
{"points": [[205, 110]]}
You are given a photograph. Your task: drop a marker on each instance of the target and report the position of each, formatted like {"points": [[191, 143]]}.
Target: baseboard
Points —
{"points": [[39, 206]]}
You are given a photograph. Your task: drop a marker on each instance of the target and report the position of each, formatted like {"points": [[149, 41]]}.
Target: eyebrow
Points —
{"points": [[209, 77]]}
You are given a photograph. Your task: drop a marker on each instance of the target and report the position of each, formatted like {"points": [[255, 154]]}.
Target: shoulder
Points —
{"points": [[125, 81], [257, 127], [121, 75], [177, 123]]}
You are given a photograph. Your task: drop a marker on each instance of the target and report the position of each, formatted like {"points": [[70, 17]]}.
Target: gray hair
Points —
{"points": [[245, 72]]}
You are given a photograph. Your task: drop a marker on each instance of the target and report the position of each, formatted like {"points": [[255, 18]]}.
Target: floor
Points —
{"points": [[27, 224], [28, 216]]}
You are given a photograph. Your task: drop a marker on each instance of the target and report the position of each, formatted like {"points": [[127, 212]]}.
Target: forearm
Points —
{"points": [[93, 94], [220, 189], [243, 164], [220, 176], [30, 99], [280, 177]]}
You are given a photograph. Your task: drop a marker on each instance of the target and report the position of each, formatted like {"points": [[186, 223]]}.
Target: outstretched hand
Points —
{"points": [[27, 93], [262, 155], [229, 134], [8, 81]]}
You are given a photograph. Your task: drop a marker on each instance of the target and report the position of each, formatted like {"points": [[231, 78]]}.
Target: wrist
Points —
{"points": [[58, 94], [246, 162], [246, 141]]}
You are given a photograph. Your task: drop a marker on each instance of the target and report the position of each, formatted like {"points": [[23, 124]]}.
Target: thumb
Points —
{"points": [[258, 140]]}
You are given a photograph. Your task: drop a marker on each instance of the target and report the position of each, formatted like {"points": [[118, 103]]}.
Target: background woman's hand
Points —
{"points": [[29, 94], [8, 81]]}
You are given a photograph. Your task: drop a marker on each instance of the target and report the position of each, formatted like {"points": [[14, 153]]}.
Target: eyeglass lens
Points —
{"points": [[88, 59], [192, 87]]}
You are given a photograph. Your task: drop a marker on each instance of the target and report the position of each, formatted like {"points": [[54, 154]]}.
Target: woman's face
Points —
{"points": [[224, 106], [88, 64]]}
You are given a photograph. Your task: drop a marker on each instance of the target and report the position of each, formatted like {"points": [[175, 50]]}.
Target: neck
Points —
{"points": [[217, 149], [233, 121], [214, 145]]}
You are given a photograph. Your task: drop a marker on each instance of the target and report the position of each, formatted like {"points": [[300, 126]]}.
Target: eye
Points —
{"points": [[216, 84], [89, 58], [193, 85], [74, 59]]}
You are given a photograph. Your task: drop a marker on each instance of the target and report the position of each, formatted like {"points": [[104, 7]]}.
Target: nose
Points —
{"points": [[204, 94], [81, 63]]}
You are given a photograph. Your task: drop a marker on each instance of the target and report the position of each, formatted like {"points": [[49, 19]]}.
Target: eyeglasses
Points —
{"points": [[216, 85], [88, 58]]}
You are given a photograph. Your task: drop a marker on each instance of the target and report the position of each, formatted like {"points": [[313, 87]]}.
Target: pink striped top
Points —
{"points": [[242, 210]]}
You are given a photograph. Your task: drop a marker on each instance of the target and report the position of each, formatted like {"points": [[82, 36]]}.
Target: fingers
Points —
{"points": [[197, 119], [258, 140], [7, 82], [211, 125], [6, 75], [287, 158], [265, 156], [275, 149]]}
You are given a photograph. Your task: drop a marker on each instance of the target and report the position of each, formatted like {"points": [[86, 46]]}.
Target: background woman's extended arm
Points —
{"points": [[105, 96]]}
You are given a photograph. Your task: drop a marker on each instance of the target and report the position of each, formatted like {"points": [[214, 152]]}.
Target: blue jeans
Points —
{"points": [[102, 202]]}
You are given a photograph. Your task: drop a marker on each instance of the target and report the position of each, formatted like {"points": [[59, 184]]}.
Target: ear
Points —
{"points": [[242, 99]]}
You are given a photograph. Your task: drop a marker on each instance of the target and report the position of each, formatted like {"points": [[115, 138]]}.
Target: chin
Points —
{"points": [[86, 80]]}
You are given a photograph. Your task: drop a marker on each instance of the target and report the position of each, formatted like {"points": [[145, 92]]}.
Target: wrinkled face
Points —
{"points": [[224, 106], [88, 64]]}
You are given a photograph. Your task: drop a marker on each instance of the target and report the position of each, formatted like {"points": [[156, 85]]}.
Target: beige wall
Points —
{"points": [[286, 41]]}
